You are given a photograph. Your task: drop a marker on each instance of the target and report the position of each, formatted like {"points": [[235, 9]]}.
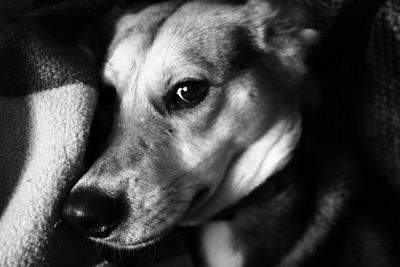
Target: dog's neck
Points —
{"points": [[270, 153]]}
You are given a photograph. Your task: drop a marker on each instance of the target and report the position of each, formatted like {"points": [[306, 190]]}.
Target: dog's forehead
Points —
{"points": [[133, 34], [198, 41], [200, 34], [176, 38], [190, 20]]}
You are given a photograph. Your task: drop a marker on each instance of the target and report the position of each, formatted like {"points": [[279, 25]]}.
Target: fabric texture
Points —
{"points": [[380, 108], [359, 71], [47, 100]]}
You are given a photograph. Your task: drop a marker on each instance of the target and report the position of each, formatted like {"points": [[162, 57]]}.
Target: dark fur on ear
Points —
{"points": [[280, 25], [285, 30]]}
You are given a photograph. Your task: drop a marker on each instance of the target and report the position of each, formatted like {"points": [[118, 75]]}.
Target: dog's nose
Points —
{"points": [[93, 213]]}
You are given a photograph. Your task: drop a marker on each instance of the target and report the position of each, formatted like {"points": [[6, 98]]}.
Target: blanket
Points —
{"points": [[358, 69], [47, 100]]}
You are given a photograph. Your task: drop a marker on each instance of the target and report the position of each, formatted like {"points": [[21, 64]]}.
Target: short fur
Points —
{"points": [[215, 165]]}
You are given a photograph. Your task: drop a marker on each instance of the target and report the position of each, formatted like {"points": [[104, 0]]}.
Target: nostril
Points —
{"points": [[93, 213]]}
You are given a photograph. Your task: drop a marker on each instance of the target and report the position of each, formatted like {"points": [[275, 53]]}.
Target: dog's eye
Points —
{"points": [[189, 94]]}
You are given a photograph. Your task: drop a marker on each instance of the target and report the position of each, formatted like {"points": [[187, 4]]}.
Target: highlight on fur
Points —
{"points": [[209, 99]]}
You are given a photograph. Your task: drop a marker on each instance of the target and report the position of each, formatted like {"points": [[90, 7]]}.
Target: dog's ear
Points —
{"points": [[283, 26], [287, 32]]}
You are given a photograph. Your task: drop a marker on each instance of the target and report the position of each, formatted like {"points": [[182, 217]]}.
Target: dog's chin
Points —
{"points": [[122, 254]]}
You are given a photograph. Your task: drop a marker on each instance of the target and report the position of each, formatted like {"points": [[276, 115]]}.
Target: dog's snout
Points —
{"points": [[93, 213]]}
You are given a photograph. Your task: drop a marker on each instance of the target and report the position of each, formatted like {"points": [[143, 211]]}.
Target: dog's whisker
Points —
{"points": [[172, 183], [189, 171], [174, 210], [178, 190]]}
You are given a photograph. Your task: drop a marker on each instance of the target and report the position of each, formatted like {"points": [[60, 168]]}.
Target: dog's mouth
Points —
{"points": [[114, 241], [120, 253], [165, 246], [116, 244], [123, 255], [147, 241]]}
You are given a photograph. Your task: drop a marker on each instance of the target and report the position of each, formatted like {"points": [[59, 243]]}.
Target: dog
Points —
{"points": [[208, 122]]}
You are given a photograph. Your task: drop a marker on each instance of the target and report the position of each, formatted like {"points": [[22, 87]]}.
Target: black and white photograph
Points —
{"points": [[200, 133]]}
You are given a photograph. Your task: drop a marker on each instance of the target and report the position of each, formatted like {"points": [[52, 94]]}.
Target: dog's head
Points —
{"points": [[209, 95]]}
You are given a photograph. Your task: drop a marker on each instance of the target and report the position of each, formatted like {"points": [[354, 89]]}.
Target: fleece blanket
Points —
{"points": [[47, 100]]}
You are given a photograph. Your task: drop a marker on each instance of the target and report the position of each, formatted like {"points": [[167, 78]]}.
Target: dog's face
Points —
{"points": [[208, 108]]}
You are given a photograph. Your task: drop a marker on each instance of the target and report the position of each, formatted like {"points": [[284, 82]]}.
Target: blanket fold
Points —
{"points": [[47, 100]]}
